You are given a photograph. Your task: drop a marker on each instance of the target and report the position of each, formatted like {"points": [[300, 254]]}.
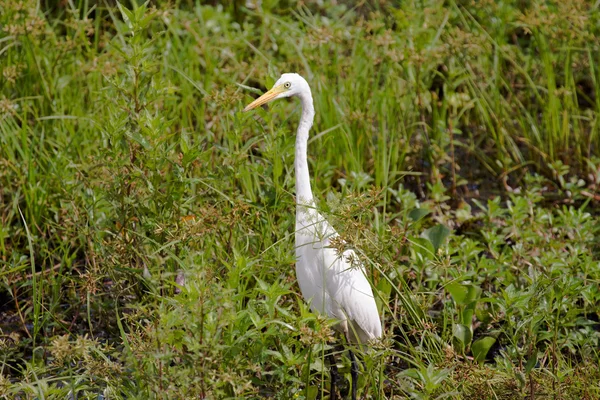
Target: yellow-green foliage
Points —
{"points": [[146, 224]]}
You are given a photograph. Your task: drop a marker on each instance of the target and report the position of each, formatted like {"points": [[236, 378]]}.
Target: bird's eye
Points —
{"points": [[287, 85]]}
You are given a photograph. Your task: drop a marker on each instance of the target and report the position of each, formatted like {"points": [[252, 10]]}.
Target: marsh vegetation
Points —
{"points": [[146, 224]]}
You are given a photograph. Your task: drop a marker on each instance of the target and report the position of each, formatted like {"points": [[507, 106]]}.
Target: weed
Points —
{"points": [[146, 224]]}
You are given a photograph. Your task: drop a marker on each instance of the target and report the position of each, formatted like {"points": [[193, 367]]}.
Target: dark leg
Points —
{"points": [[354, 373], [334, 377]]}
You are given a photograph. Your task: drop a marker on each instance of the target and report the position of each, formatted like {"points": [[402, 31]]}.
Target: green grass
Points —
{"points": [[455, 146]]}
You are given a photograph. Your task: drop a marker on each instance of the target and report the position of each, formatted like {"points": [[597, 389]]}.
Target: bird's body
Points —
{"points": [[334, 284]]}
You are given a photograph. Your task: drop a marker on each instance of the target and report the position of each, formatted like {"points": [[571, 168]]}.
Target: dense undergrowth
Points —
{"points": [[146, 225]]}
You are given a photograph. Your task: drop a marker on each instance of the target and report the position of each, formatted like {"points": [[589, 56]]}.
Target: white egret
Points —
{"points": [[333, 284]]}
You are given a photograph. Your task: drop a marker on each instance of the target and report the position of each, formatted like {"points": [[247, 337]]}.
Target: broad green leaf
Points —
{"points": [[437, 235], [318, 365], [463, 294], [481, 347], [473, 293], [458, 292], [463, 334], [417, 213], [467, 314], [312, 392]]}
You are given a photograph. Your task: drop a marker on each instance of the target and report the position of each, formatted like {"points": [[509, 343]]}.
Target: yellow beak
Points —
{"points": [[265, 98]]}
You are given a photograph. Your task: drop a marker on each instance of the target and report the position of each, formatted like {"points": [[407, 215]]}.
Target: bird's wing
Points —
{"points": [[351, 294], [347, 294]]}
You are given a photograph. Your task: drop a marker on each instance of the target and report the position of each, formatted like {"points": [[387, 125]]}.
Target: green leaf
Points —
{"points": [[127, 14], [312, 392], [462, 333], [458, 292], [473, 293], [139, 139], [317, 365], [437, 235], [417, 213], [531, 362], [145, 21], [140, 11], [467, 314], [481, 347], [422, 247], [412, 373], [384, 287], [189, 157], [463, 294]]}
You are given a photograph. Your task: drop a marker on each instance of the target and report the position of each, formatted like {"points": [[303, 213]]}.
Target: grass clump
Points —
{"points": [[146, 224]]}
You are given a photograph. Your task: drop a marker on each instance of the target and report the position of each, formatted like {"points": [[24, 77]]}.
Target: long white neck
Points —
{"points": [[304, 194]]}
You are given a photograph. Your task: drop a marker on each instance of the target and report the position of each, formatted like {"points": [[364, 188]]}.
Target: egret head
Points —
{"points": [[287, 85]]}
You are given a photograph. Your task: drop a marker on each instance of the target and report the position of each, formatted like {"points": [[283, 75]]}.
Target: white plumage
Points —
{"points": [[332, 283]]}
